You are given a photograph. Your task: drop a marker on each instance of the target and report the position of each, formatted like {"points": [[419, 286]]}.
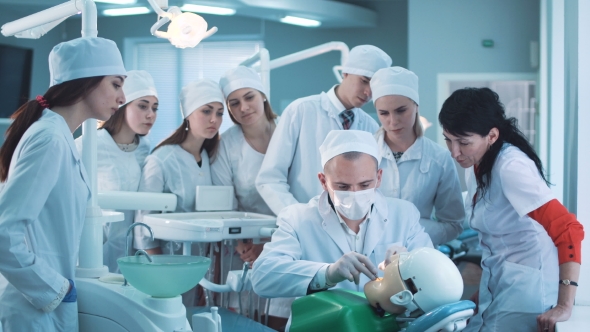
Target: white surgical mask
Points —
{"points": [[354, 205]]}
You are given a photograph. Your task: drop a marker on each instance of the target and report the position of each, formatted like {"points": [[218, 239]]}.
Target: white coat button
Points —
{"points": [[201, 174], [317, 285], [384, 220]]}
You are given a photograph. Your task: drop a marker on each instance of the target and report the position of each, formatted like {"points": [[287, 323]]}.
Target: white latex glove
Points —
{"points": [[349, 267], [392, 250]]}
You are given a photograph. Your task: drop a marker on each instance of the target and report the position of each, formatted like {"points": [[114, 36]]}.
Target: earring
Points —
{"points": [[186, 128], [264, 100]]}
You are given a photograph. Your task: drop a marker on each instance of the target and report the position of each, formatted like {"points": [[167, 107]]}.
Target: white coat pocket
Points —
{"points": [[517, 292]]}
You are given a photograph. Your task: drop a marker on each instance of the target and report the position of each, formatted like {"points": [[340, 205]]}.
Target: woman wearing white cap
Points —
{"points": [[414, 167], [243, 147], [46, 189], [122, 149], [292, 161], [180, 163]]}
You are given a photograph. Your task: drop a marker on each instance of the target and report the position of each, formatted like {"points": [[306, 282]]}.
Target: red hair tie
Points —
{"points": [[42, 101]]}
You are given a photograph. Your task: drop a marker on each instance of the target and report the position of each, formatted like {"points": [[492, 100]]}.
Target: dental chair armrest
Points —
{"points": [[449, 317]]}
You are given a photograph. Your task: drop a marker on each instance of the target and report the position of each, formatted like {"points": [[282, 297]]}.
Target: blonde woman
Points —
{"points": [[414, 167]]}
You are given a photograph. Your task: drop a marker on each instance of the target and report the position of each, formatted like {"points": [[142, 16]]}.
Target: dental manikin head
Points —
{"points": [[422, 279]]}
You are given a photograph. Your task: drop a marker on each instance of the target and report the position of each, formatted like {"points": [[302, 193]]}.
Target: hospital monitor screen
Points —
{"points": [[15, 78]]}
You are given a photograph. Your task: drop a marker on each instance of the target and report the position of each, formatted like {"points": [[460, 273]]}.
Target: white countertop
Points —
{"points": [[580, 320]]}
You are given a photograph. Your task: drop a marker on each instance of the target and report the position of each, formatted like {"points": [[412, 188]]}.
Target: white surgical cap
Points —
{"points": [[395, 81], [342, 141], [197, 94], [239, 78], [84, 57], [139, 83], [365, 60]]}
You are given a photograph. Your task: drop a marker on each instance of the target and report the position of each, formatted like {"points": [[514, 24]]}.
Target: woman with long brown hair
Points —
{"points": [[46, 189], [122, 148], [241, 152], [181, 162]]}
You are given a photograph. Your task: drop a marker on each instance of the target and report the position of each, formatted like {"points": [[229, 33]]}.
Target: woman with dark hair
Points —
{"points": [[181, 162], [122, 148], [531, 244], [414, 167], [45, 187]]}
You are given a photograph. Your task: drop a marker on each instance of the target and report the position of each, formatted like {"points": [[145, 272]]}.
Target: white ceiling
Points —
{"points": [[332, 14]]}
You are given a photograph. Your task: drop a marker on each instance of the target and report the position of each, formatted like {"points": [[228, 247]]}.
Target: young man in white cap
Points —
{"points": [[414, 167], [339, 238], [46, 189], [122, 148], [287, 175]]}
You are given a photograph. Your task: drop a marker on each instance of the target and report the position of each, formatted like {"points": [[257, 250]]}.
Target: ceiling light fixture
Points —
{"points": [[118, 2], [304, 22], [126, 11], [208, 9], [184, 30]]}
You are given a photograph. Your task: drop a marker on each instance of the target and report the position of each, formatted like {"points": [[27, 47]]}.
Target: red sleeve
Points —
{"points": [[563, 228]]}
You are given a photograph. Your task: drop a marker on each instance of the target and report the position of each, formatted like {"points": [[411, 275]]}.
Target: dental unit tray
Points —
{"points": [[210, 226]]}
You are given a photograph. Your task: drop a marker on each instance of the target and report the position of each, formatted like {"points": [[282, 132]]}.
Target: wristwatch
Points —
{"points": [[567, 282]]}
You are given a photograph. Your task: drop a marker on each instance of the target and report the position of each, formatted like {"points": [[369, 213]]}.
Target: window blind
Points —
{"points": [[173, 68]]}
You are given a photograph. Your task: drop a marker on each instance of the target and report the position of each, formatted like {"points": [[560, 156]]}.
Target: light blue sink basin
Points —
{"points": [[166, 276]]}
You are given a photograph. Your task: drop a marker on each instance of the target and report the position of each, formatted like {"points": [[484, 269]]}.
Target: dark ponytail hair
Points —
{"points": [[64, 94], [211, 145], [476, 111]]}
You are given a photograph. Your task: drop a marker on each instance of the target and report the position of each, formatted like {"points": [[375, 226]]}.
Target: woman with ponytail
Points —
{"points": [[531, 244], [45, 187]]}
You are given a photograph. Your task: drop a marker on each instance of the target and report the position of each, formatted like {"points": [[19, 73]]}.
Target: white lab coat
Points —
{"points": [[42, 209], [519, 261], [171, 169], [237, 165], [310, 236], [289, 172], [426, 176], [117, 170]]}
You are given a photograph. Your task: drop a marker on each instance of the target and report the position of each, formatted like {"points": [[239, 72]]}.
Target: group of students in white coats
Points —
{"points": [[408, 196]]}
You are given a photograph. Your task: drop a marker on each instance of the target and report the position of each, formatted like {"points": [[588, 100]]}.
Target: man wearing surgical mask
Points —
{"points": [[340, 237]]}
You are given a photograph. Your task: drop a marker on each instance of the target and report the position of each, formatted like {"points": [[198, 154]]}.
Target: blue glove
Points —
{"points": [[72, 295]]}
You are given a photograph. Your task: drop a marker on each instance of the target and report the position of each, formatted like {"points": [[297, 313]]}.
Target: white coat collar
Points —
{"points": [[334, 106], [61, 124], [375, 228], [414, 152]]}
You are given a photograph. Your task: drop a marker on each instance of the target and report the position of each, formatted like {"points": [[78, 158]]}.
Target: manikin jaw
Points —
{"points": [[380, 291]]}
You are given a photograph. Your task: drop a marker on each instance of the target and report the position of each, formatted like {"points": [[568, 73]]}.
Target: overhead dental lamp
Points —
{"points": [[185, 29]]}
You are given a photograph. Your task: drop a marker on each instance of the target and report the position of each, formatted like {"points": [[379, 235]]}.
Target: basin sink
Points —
{"points": [[166, 276]]}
